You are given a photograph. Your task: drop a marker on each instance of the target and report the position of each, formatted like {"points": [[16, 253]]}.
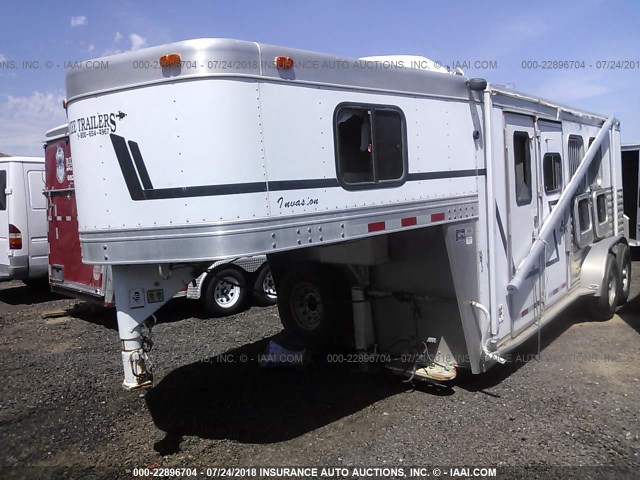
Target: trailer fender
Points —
{"points": [[593, 267]]}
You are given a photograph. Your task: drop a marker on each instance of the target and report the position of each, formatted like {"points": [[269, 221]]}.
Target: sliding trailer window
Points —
{"points": [[552, 169], [575, 150], [601, 208], [582, 220], [522, 163], [370, 143]]}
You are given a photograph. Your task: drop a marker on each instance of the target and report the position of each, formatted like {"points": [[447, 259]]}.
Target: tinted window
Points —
{"points": [[522, 160], [3, 186], [552, 168], [601, 207], [370, 145]]}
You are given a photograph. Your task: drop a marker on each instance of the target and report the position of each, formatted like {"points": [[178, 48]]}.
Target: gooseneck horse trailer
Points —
{"points": [[427, 217]]}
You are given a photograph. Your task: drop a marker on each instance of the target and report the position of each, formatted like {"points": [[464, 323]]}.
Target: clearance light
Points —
{"points": [[170, 60], [376, 226], [284, 63], [15, 238]]}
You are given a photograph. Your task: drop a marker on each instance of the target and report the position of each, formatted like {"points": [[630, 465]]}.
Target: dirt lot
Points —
{"points": [[62, 405]]}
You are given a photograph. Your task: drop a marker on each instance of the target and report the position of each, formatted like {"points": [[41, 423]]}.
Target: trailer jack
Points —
{"points": [[139, 291], [140, 369]]}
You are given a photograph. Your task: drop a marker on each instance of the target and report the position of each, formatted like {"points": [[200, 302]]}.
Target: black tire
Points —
{"points": [[605, 305], [225, 292], [314, 306], [264, 288], [623, 258]]}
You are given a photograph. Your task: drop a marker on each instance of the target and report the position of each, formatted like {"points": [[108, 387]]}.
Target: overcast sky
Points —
{"points": [[505, 32]]}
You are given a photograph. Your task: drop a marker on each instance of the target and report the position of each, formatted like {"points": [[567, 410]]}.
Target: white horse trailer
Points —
{"points": [[631, 186], [424, 215]]}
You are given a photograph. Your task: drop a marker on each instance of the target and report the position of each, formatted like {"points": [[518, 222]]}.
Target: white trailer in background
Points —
{"points": [[631, 185], [23, 220], [412, 212]]}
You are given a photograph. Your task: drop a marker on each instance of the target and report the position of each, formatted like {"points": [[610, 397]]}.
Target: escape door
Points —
{"points": [[523, 214]]}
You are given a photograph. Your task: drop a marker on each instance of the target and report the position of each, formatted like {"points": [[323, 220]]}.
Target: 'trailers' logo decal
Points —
{"points": [[94, 125]]}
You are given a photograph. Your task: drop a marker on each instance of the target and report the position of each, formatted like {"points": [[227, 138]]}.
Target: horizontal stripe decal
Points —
{"points": [[300, 184], [140, 186], [412, 177], [204, 190]]}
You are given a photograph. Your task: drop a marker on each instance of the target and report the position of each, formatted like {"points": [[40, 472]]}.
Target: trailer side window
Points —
{"points": [[522, 160], [584, 215], [370, 149], [575, 150], [601, 208], [3, 187], [552, 168]]}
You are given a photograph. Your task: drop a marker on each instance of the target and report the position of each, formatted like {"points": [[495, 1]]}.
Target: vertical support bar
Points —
{"points": [[491, 209]]}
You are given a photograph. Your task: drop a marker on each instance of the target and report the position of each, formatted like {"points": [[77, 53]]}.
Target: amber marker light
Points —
{"points": [[284, 63], [170, 60]]}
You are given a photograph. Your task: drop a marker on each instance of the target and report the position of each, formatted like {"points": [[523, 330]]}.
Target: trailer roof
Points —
{"points": [[215, 57], [21, 160], [545, 104], [56, 133], [210, 57], [630, 146]]}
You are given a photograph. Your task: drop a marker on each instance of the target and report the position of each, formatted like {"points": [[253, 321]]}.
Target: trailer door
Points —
{"points": [[36, 220], [67, 273], [553, 179], [523, 215]]}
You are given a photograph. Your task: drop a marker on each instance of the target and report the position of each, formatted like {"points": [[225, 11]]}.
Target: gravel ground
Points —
{"points": [[61, 403]]}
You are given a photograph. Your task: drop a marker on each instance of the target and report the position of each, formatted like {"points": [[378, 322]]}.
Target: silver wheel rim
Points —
{"points": [[612, 292], [268, 286], [307, 306], [227, 292]]}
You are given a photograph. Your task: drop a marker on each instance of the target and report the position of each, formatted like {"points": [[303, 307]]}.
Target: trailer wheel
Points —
{"points": [[225, 292], [624, 267], [314, 306], [264, 288], [605, 305]]}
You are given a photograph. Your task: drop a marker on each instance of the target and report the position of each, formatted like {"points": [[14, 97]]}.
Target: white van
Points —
{"points": [[24, 248]]}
